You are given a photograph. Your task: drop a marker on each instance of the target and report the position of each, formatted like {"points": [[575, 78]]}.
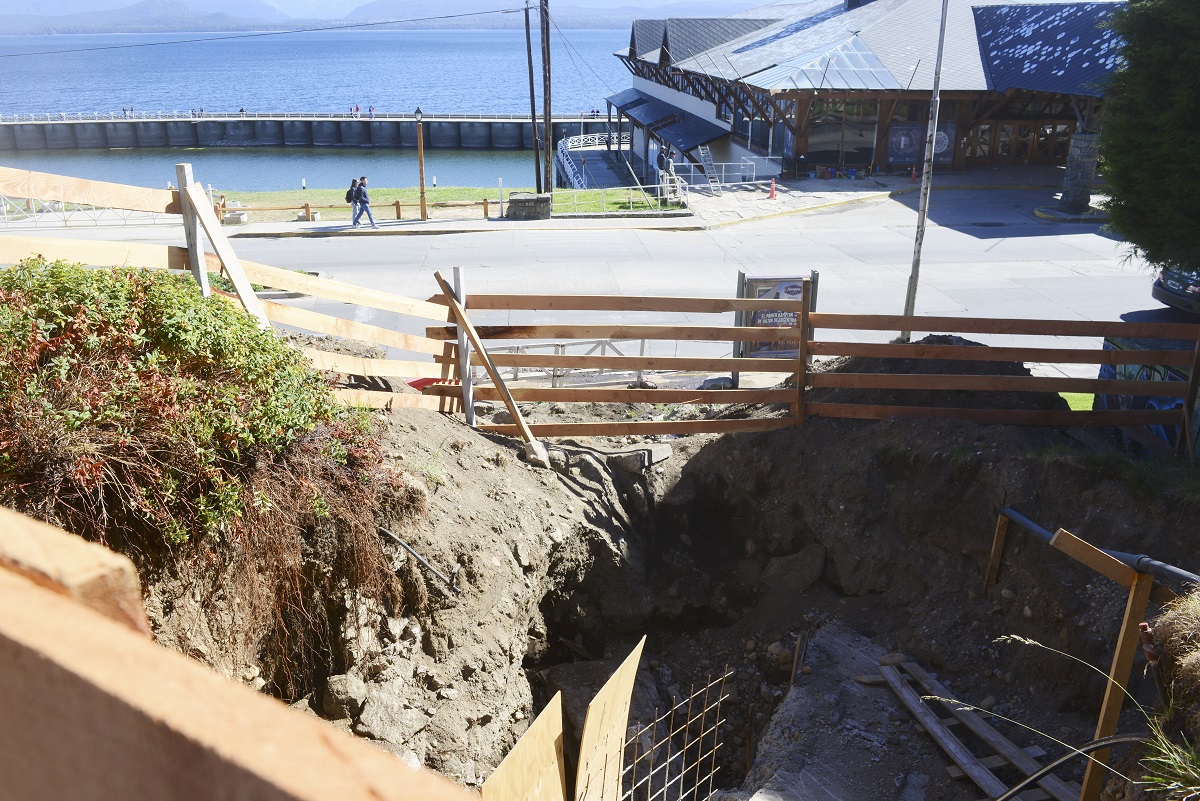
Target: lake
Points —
{"points": [[443, 72]]}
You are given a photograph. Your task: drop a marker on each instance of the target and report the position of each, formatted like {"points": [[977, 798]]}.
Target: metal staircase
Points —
{"points": [[710, 169]]}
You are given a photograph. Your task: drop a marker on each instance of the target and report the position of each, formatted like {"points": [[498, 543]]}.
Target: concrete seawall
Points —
{"points": [[449, 133]]}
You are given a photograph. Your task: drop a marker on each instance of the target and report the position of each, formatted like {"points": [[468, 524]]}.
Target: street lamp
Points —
{"points": [[421, 159]]}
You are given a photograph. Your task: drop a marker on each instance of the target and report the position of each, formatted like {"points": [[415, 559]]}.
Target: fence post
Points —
{"points": [[802, 350], [1189, 406], [308, 212], [464, 353], [485, 208], [191, 229], [397, 209]]}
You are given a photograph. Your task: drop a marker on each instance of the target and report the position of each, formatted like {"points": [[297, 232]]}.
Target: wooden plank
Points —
{"points": [[229, 260], [349, 329], [101, 194], [1118, 677], [996, 761], [1087, 554], [191, 231], [1005, 325], [94, 253], [535, 769], [602, 745], [347, 293], [1189, 406], [605, 395], [460, 316], [376, 399], [954, 748], [1029, 417], [805, 335], [632, 427], [990, 383], [635, 363], [1007, 750], [714, 333], [88, 573], [993, 565], [628, 303], [872, 350], [387, 368]]}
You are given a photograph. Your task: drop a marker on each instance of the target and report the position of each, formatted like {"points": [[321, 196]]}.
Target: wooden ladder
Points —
{"points": [[710, 169], [929, 713]]}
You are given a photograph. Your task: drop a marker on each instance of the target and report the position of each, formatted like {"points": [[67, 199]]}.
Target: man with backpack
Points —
{"points": [[364, 203]]}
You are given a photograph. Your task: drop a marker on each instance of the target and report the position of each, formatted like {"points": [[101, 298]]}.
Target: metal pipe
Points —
{"points": [[452, 584], [1139, 562]]}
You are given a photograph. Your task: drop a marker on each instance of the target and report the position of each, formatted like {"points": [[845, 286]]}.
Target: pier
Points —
{"points": [[184, 129]]}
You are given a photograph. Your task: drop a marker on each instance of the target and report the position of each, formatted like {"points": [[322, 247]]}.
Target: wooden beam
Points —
{"points": [[605, 395], [349, 329], [954, 748], [990, 383], [460, 316], [1118, 677], [713, 333], [997, 761], [635, 363], [1004, 747], [191, 231], [377, 399], [805, 332], [384, 368], [99, 194], [630, 303], [1000, 354], [1028, 417], [1087, 554], [643, 427], [94, 253], [997, 554], [1006, 325], [347, 293], [224, 250]]}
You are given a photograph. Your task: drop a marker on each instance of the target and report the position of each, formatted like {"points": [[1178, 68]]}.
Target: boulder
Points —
{"points": [[795, 572], [344, 696], [385, 715]]}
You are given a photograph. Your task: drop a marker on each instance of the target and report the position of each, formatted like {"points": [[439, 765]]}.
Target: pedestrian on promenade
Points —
{"points": [[352, 199], [371, 113], [364, 203], [356, 111]]}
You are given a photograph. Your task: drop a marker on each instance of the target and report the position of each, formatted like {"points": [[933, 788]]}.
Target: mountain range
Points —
{"points": [[119, 16]]}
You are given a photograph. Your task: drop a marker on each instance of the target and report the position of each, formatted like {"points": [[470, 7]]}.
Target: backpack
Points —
{"points": [[350, 195]]}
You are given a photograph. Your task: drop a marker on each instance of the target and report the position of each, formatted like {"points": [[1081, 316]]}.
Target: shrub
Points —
{"points": [[171, 426]]}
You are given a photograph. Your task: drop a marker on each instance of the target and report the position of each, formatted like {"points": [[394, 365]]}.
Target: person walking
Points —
{"points": [[364, 203], [352, 199]]}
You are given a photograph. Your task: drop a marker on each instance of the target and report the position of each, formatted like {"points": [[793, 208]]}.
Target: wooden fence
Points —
{"points": [[221, 206], [816, 334]]}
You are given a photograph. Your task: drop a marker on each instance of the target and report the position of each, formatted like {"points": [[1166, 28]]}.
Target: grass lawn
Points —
{"points": [[568, 201], [1078, 401]]}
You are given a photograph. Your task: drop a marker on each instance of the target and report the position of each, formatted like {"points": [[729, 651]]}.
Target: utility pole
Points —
{"points": [[537, 148], [910, 299], [548, 143]]}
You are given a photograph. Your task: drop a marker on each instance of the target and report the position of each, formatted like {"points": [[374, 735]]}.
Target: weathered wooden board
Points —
{"points": [[347, 293], [391, 400], [1028, 417], [100, 194], [635, 363], [94, 253], [535, 769], [623, 428], [1000, 354], [697, 333], [604, 395], [629, 303], [601, 749], [989, 383], [1005, 325], [390, 368], [349, 329]]}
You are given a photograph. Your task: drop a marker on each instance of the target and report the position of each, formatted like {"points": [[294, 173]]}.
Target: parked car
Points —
{"points": [[1178, 288]]}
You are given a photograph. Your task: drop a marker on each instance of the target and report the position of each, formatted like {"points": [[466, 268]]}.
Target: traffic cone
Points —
{"points": [[772, 195], [912, 179]]}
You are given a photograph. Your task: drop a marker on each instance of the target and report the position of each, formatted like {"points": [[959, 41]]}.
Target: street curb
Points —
{"points": [[1054, 215]]}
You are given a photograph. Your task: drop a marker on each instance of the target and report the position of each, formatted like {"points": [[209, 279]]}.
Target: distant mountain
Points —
{"points": [[149, 16]]}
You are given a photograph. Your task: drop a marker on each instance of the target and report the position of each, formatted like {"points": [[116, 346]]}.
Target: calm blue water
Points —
{"points": [[443, 72]]}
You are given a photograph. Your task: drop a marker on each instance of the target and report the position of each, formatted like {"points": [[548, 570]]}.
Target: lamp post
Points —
{"points": [[421, 159]]}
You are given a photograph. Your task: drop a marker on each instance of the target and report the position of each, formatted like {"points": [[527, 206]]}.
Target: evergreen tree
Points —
{"points": [[1151, 138]]}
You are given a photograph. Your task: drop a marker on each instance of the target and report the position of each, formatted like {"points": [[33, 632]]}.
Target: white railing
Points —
{"points": [[556, 374], [194, 114], [25, 213], [566, 166], [593, 140], [727, 172]]}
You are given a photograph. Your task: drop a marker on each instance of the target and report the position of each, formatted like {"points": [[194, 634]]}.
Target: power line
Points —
{"points": [[259, 34], [571, 47]]}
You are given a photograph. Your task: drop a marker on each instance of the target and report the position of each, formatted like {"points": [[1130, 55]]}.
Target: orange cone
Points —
{"points": [[772, 195]]}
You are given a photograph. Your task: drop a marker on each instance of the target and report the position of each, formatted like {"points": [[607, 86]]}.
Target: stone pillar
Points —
{"points": [[1080, 173]]}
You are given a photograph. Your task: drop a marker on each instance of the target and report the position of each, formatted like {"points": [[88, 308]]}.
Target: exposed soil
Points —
{"points": [[864, 538]]}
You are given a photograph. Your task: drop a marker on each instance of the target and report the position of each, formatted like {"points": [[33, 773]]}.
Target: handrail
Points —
{"points": [[1139, 562]]}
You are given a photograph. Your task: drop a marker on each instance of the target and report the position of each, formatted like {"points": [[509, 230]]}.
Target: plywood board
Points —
{"points": [[391, 400], [93, 253], [349, 329], [389, 368], [291, 281], [534, 769], [602, 746], [100, 194]]}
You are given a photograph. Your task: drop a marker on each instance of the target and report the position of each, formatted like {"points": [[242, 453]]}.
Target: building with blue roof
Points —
{"points": [[847, 83]]}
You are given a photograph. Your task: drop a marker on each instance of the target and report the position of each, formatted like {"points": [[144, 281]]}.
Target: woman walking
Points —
{"points": [[352, 199]]}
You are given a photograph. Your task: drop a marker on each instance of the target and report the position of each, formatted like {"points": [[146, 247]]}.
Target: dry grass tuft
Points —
{"points": [[1177, 636]]}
